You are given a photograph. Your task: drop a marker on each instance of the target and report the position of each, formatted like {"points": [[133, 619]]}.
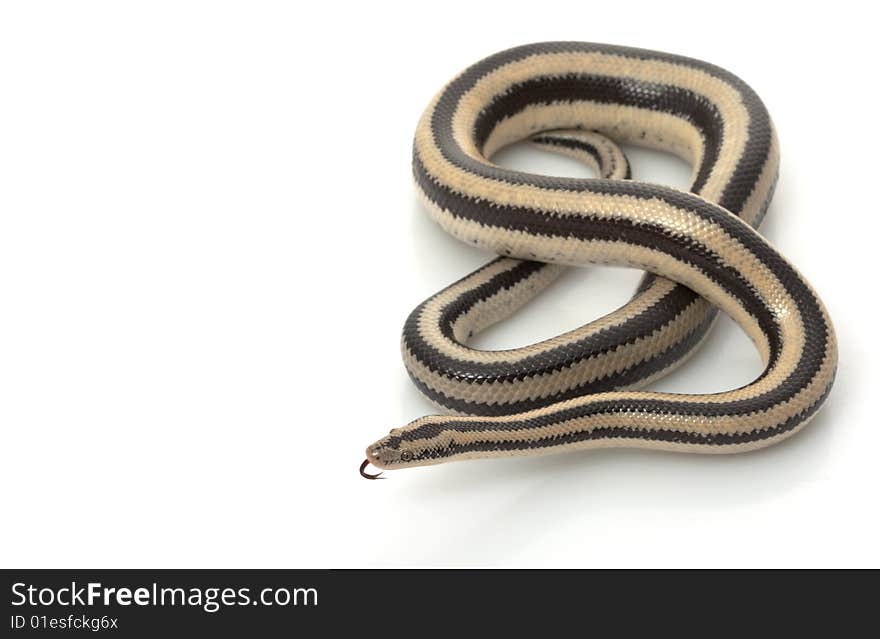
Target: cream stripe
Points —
{"points": [[542, 385], [612, 164], [645, 444], [429, 321], [726, 424], [726, 97]]}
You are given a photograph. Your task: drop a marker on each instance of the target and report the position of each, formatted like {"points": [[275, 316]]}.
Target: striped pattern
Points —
{"points": [[578, 390]]}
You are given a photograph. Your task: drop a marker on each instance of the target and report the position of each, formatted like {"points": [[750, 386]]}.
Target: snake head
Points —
{"points": [[425, 441], [390, 453]]}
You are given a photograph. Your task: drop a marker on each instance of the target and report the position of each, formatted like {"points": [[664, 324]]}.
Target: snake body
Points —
{"points": [[699, 248]]}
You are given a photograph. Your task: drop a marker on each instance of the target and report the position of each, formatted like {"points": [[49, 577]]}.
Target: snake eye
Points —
{"points": [[406, 456]]}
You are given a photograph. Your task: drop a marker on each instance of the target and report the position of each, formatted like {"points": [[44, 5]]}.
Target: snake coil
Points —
{"points": [[700, 249]]}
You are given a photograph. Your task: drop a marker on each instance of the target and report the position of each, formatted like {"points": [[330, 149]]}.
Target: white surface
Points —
{"points": [[209, 242]]}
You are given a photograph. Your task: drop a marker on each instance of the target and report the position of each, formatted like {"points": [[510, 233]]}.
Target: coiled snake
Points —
{"points": [[700, 250]]}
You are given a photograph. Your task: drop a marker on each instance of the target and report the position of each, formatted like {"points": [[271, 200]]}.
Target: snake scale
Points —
{"points": [[700, 250]]}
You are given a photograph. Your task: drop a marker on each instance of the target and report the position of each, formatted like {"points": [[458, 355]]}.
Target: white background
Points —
{"points": [[209, 242]]}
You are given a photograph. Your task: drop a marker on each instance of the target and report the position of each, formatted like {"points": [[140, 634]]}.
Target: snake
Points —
{"points": [[699, 249]]}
